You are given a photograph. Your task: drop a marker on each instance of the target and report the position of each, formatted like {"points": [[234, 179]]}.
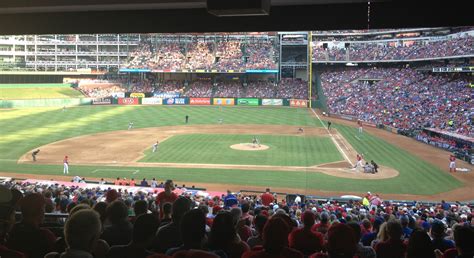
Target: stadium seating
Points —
{"points": [[230, 225], [403, 98]]}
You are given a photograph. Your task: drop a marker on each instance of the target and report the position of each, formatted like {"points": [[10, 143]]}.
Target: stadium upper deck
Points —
{"points": [[228, 51], [393, 45]]}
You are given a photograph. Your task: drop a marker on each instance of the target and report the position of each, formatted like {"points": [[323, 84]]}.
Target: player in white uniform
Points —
{"points": [[155, 146], [66, 165], [255, 142], [130, 125]]}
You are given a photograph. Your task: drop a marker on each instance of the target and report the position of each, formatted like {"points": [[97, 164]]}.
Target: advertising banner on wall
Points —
{"points": [[152, 101], [175, 101], [101, 101], [137, 95], [200, 101], [223, 101], [118, 94], [247, 102], [272, 102], [298, 103], [128, 101]]}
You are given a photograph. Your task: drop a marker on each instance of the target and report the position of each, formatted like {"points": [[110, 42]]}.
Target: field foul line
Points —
{"points": [[334, 140], [134, 171]]}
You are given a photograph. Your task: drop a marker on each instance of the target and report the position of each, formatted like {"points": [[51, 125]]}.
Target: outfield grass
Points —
{"points": [[24, 129], [215, 149], [39, 93]]}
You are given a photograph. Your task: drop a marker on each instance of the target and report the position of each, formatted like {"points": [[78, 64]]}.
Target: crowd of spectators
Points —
{"points": [[199, 89], [224, 54], [232, 89], [403, 98], [111, 223], [261, 55], [97, 88], [370, 51], [260, 89], [229, 55], [200, 55], [292, 88]]}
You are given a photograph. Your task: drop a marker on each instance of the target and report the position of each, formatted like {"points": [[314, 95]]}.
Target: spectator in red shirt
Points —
{"points": [[27, 236], [323, 226], [166, 196], [305, 240], [267, 197], [394, 247]]}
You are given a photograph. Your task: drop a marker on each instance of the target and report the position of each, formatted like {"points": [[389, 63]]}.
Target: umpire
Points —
{"points": [[34, 154]]}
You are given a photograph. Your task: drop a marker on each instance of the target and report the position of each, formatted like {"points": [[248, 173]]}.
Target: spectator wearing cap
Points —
{"points": [[82, 231], [224, 236], [8, 201], [420, 245], [166, 196], [259, 222], [267, 197], [438, 234], [39, 241], [169, 236], [341, 243], [275, 241], [230, 200], [305, 240], [143, 232], [394, 246], [362, 251], [117, 228]]}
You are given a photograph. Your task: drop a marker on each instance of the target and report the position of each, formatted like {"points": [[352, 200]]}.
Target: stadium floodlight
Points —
{"points": [[233, 8]]}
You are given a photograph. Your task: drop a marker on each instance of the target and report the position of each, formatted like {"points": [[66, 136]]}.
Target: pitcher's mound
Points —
{"points": [[249, 147]]}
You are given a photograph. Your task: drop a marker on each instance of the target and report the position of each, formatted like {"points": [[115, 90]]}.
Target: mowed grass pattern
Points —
{"points": [[39, 93], [215, 149], [24, 129]]}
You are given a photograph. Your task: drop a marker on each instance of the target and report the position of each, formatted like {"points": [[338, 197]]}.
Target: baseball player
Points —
{"points": [[329, 125], [300, 130], [155, 146], [255, 142], [359, 122], [34, 153], [186, 118], [452, 163], [66, 165], [130, 125], [220, 120], [359, 163]]}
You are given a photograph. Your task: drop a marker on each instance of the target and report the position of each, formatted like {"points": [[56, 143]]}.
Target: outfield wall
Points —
{"points": [[44, 102], [33, 85], [300, 103]]}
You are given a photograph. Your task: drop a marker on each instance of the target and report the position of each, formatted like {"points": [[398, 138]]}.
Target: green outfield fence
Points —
{"points": [[21, 103], [33, 85], [57, 102]]}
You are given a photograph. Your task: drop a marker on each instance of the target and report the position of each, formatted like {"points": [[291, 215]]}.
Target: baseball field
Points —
{"points": [[202, 152]]}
